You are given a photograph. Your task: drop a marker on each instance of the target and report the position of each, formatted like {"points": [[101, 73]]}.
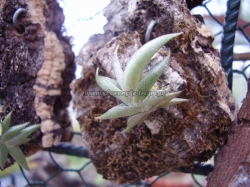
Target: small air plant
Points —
{"points": [[11, 138], [134, 90]]}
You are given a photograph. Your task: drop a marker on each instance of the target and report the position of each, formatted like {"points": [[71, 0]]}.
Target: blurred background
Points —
{"points": [[83, 19]]}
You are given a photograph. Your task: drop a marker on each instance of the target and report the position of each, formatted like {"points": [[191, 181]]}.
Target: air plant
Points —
{"points": [[134, 90], [11, 138]]}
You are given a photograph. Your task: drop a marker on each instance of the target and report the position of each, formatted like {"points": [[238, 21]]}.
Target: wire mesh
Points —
{"points": [[228, 29]]}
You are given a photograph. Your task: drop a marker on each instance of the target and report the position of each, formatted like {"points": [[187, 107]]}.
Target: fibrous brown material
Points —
{"points": [[36, 68], [171, 137]]}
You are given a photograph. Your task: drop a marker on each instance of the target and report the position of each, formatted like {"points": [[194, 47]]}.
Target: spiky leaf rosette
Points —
{"points": [[11, 138], [143, 101]]}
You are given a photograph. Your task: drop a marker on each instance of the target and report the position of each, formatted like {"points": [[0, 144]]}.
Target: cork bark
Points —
{"points": [[36, 68], [171, 137], [232, 163]]}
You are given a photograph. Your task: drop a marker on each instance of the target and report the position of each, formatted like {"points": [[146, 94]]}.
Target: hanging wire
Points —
{"points": [[196, 180], [229, 28]]}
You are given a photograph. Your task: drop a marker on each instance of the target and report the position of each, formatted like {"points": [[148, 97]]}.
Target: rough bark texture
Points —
{"points": [[232, 164], [36, 68], [171, 137]]}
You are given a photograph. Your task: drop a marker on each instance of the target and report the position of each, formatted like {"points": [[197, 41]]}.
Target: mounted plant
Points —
{"points": [[10, 140], [134, 90], [172, 136]]}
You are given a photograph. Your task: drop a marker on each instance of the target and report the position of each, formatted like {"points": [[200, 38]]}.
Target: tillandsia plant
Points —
{"points": [[134, 90], [11, 138]]}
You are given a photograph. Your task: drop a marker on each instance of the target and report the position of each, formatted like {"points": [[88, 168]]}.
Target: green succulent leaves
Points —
{"points": [[136, 65], [134, 90], [11, 138]]}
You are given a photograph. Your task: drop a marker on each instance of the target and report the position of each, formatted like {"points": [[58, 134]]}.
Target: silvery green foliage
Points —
{"points": [[143, 102], [11, 138]]}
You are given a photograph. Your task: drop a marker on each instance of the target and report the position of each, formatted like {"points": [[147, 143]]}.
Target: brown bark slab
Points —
{"points": [[36, 68], [232, 164], [171, 137]]}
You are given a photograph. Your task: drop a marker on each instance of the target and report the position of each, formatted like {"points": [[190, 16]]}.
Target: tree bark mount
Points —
{"points": [[36, 68], [171, 137], [232, 164]]}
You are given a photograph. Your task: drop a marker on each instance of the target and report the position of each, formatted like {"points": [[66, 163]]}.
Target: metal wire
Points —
{"points": [[196, 180], [69, 149], [233, 7], [149, 30], [226, 55], [15, 17]]}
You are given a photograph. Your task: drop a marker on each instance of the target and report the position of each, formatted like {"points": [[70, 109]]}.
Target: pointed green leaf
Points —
{"points": [[5, 124], [26, 141], [112, 88], [133, 71], [135, 120], [175, 101], [149, 102], [117, 69], [150, 78], [22, 137], [120, 111], [18, 156], [165, 100], [3, 154], [156, 97], [107, 79], [13, 131], [112, 81]]}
